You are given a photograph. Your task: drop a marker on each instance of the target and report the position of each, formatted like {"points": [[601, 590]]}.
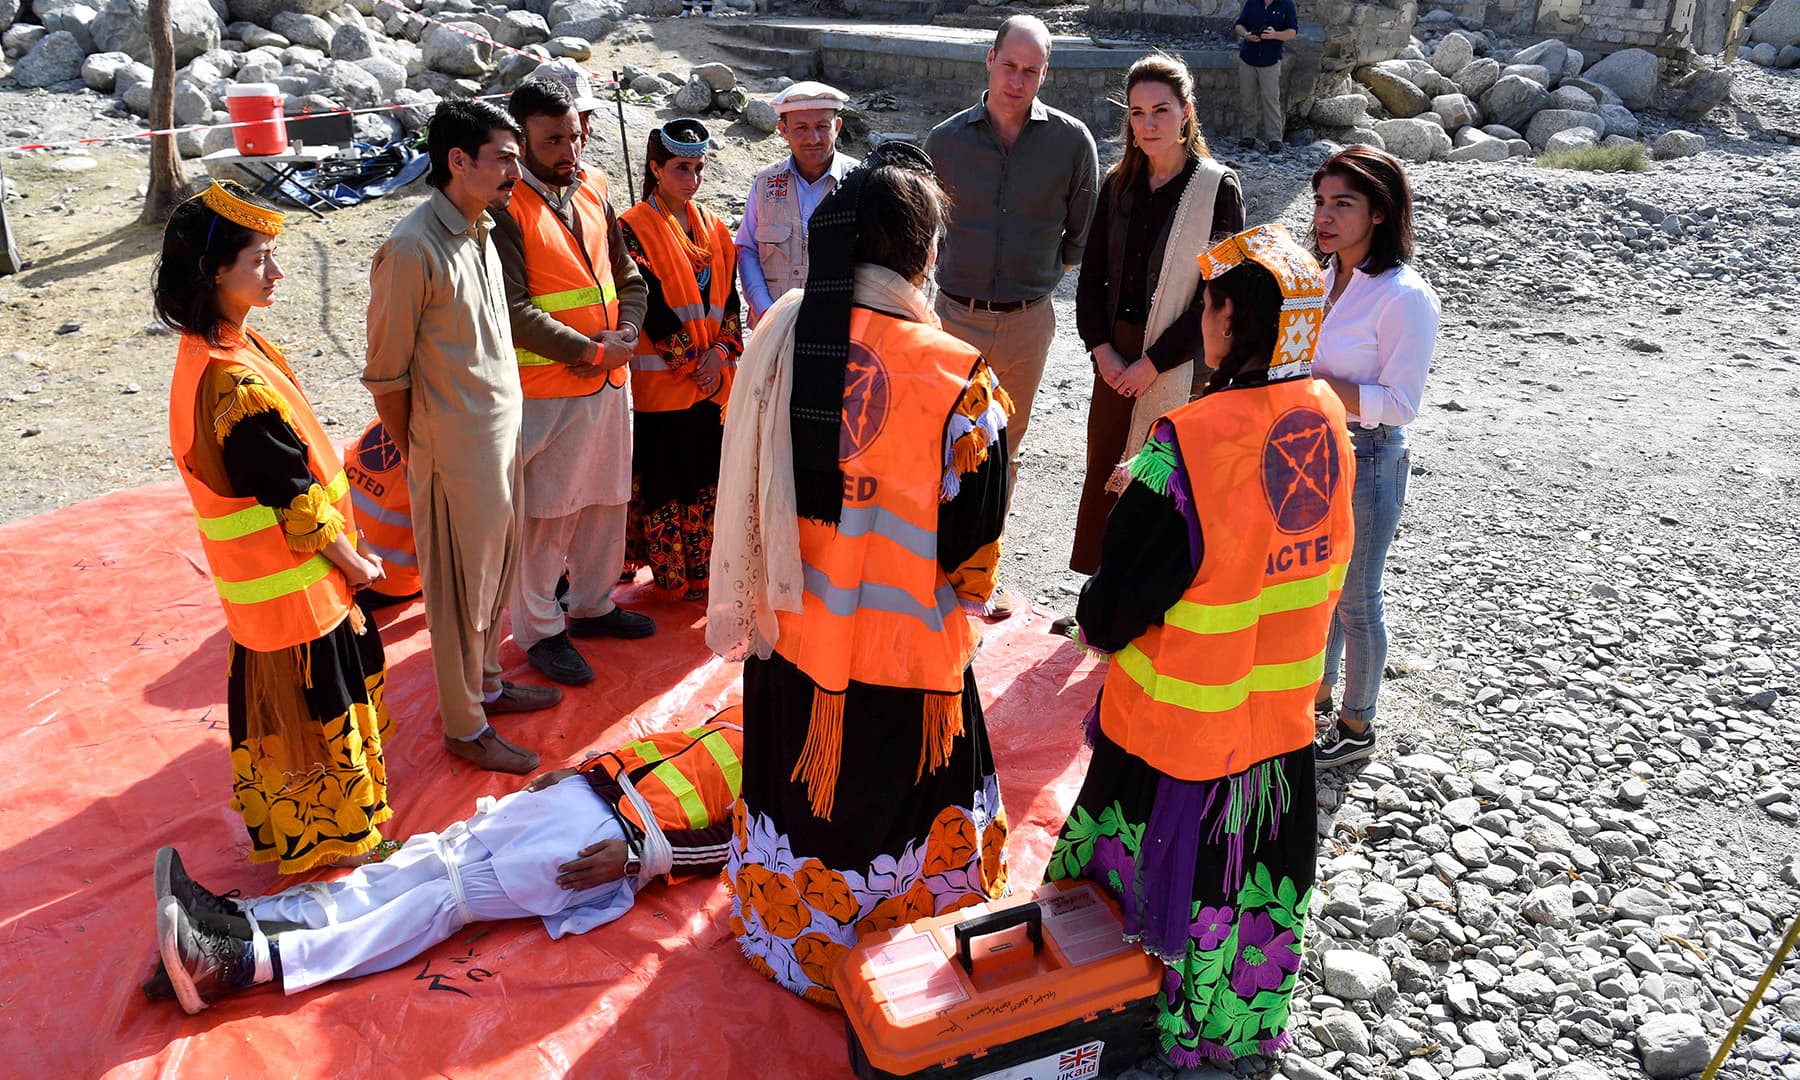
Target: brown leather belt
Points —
{"points": [[998, 307]]}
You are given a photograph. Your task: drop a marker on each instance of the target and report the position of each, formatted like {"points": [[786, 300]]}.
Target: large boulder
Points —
{"points": [[1779, 24], [390, 75], [1620, 121], [9, 12], [1456, 111], [1471, 144], [56, 58], [1578, 138], [1629, 73], [350, 84], [78, 19], [1572, 97], [452, 53], [695, 96], [1603, 95], [1340, 111], [1551, 121], [1363, 136], [21, 38], [259, 65], [192, 106], [354, 41], [1513, 100], [1400, 97], [586, 19], [721, 78], [1537, 73], [1788, 58], [1764, 54], [522, 28], [309, 31], [515, 67], [1455, 52], [255, 37], [1702, 92], [121, 27], [100, 71], [1414, 140], [1672, 1046], [1552, 55], [1478, 76], [263, 12], [758, 113], [1677, 144]]}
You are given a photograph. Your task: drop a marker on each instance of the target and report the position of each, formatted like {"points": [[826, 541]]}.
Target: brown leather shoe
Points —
{"points": [[492, 752], [519, 697]]}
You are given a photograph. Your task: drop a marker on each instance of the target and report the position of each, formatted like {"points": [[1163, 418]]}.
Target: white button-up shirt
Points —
{"points": [[1380, 335]]}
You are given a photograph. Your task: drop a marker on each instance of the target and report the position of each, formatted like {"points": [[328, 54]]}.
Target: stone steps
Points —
{"points": [[794, 62]]}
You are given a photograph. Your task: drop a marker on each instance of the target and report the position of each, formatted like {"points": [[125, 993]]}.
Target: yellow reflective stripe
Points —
{"points": [[1295, 595], [527, 358], [251, 519], [644, 749], [725, 758], [574, 298], [273, 586], [684, 794], [1217, 697]]}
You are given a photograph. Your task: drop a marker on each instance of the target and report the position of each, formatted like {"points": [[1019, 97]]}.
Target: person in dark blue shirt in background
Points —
{"points": [[1263, 26]]}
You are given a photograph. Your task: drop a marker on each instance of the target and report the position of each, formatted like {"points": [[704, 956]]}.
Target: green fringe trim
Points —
{"points": [[1153, 465]]}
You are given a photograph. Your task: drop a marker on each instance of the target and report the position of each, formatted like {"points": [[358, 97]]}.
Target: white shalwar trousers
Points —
{"points": [[591, 543], [500, 864]]}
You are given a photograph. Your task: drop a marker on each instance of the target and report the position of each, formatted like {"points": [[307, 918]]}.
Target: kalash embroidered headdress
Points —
{"points": [[234, 208], [1302, 290]]}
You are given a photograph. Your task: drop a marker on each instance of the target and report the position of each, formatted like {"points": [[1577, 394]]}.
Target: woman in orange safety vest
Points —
{"points": [[1219, 570], [272, 504], [686, 353], [870, 796]]}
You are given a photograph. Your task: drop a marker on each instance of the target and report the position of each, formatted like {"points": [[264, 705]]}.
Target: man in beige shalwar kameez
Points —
{"points": [[446, 383]]}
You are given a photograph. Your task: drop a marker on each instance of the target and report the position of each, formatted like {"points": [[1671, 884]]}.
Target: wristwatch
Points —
{"points": [[634, 862]]}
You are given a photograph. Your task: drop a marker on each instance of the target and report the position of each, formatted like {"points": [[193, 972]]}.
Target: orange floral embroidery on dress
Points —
{"points": [[826, 891]]}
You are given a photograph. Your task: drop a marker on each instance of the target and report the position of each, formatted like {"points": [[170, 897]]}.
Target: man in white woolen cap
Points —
{"points": [[771, 241]]}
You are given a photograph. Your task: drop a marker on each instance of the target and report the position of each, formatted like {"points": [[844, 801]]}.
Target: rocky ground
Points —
{"points": [[1577, 848]]}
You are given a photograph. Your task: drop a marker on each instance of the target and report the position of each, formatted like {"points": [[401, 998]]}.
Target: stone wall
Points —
{"points": [[1354, 33], [1172, 15], [1084, 82]]}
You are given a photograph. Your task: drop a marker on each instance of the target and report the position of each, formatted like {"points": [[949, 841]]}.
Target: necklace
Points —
{"points": [[700, 254]]}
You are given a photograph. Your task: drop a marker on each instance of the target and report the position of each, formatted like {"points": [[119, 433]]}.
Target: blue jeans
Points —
{"points": [[1359, 628]]}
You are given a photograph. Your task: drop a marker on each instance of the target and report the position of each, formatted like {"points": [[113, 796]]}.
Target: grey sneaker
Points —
{"points": [[195, 899], [1341, 746], [203, 964]]}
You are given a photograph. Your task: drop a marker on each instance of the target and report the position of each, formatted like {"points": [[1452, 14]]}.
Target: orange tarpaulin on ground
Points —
{"points": [[114, 743]]}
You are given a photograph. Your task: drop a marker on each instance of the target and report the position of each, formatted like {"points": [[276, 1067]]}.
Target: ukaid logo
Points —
{"points": [[1076, 1063]]}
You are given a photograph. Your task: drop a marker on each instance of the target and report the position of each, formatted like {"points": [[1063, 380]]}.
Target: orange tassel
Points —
{"points": [[823, 752], [943, 725], [1005, 400], [968, 452], [357, 622]]}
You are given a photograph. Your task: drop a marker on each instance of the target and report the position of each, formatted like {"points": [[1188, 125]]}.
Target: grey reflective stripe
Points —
{"points": [[698, 313], [862, 520], [846, 602], [388, 555], [368, 507]]}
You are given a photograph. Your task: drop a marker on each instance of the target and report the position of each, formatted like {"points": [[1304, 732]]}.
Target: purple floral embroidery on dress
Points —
{"points": [[1211, 927], [1264, 959], [1113, 864]]}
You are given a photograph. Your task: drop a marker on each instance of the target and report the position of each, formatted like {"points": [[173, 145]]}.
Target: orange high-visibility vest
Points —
{"points": [[1228, 679], [274, 597], [384, 509], [877, 607], [570, 279], [654, 386], [690, 779]]}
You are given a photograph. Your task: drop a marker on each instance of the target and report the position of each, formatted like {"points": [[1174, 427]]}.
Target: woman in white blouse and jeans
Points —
{"points": [[1381, 324]]}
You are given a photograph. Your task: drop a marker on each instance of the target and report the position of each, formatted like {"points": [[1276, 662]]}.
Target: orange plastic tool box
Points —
{"points": [[1038, 986]]}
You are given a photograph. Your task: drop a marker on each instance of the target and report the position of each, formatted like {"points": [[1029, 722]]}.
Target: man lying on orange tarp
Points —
{"points": [[661, 805]]}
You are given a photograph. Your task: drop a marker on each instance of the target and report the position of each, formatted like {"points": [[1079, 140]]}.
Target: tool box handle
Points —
{"points": [[1030, 916]]}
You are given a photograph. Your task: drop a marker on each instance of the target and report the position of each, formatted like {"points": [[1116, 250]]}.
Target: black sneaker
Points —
{"points": [[158, 987], [617, 623], [203, 964], [559, 661], [1247, 143], [1341, 746], [194, 898]]}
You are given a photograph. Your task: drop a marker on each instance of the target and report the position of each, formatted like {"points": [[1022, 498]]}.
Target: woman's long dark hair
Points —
{"points": [[1379, 177], [1256, 299], [655, 153], [197, 244], [1172, 73]]}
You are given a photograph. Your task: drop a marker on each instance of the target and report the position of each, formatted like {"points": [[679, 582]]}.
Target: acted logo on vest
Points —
{"points": [[1300, 470], [376, 451], [866, 400]]}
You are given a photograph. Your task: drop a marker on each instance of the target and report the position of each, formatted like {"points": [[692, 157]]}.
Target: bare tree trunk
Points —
{"points": [[166, 179]]}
